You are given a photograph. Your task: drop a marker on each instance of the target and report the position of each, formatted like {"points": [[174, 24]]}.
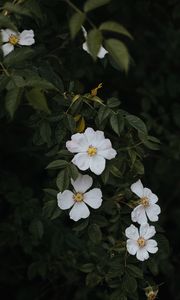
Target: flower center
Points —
{"points": [[91, 151], [141, 242], [13, 39], [144, 201], [78, 197]]}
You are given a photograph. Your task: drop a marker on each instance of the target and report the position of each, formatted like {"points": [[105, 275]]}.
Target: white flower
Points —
{"points": [[12, 38], [102, 51], [140, 242], [80, 197], [92, 149], [147, 206]]}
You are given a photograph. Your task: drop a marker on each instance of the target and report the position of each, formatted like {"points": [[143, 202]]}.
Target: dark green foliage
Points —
{"points": [[43, 88]]}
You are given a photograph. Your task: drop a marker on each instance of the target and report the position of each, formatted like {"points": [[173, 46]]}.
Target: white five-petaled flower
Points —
{"points": [[92, 149], [102, 51], [80, 197], [139, 243], [147, 206], [11, 38]]}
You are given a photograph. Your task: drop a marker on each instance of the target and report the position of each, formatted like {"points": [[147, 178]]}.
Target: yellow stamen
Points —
{"points": [[144, 201], [141, 242], [13, 39], [94, 91], [78, 197], [91, 151]]}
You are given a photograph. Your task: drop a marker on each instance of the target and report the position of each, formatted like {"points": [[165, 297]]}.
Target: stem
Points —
{"points": [[79, 11], [131, 147], [5, 70]]}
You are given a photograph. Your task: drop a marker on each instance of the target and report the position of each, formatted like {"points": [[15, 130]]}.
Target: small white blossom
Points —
{"points": [[139, 243], [11, 38], [147, 209], [102, 51], [92, 150], [80, 197]]}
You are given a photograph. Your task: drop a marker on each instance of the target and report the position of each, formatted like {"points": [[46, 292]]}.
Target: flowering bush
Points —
{"points": [[76, 219]]}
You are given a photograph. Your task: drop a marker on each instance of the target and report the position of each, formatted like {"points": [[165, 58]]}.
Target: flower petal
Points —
{"points": [[102, 52], [4, 35], [132, 232], [82, 183], [97, 164], [82, 161], [65, 199], [142, 254], [138, 215], [152, 197], [147, 231], [90, 135], [78, 143], [151, 246], [26, 38], [7, 48], [79, 211], [132, 247], [108, 154], [85, 47], [84, 31], [137, 188], [93, 198], [152, 212]]}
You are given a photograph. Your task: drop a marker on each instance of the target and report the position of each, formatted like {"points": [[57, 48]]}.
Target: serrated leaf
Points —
{"points": [[119, 53], [75, 23], [37, 99], [17, 9], [117, 123], [94, 42], [137, 123], [113, 102], [12, 100], [92, 4], [87, 268], [63, 180], [57, 164], [115, 27], [134, 271], [93, 279], [73, 171], [103, 113]]}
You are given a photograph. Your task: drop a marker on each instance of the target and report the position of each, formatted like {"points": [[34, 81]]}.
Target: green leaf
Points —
{"points": [[95, 234], [18, 56], [37, 99], [12, 100], [113, 102], [134, 271], [138, 166], [117, 123], [137, 123], [103, 113], [57, 164], [94, 42], [36, 228], [119, 53], [73, 171], [63, 180], [45, 132], [129, 283], [40, 83], [92, 280], [6, 23], [75, 23], [92, 4], [115, 27], [87, 268], [17, 9]]}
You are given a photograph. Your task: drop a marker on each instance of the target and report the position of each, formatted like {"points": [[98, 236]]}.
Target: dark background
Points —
{"points": [[150, 90]]}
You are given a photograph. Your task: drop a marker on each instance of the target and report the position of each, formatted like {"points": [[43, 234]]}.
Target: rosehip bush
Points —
{"points": [[76, 219]]}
